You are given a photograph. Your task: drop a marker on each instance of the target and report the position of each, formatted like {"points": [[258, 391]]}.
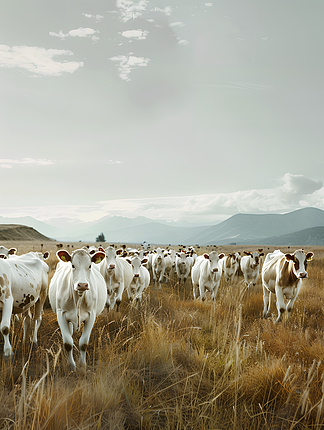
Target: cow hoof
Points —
{"points": [[9, 358]]}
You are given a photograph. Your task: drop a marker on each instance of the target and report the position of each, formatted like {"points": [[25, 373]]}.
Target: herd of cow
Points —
{"points": [[89, 279]]}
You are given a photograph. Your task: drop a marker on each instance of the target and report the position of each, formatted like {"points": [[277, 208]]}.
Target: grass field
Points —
{"points": [[176, 363]]}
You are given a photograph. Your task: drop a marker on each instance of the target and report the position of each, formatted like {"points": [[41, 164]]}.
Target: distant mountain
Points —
{"points": [[309, 237], [250, 228], [20, 233], [29, 221], [238, 229]]}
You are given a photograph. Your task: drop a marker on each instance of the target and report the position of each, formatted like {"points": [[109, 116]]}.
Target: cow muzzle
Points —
{"points": [[111, 266], [215, 270], [136, 275], [82, 287], [303, 275]]}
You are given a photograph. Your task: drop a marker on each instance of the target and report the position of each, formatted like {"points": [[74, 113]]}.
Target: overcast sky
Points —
{"points": [[180, 109]]}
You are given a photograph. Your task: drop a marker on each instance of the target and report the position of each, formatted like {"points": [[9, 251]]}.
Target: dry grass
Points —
{"points": [[176, 363]]}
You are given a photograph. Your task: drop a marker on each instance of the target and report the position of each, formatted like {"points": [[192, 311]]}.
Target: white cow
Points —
{"points": [[158, 266], [29, 283], [230, 264], [170, 261], [183, 264], [6, 304], [282, 274], [206, 273], [140, 280], [117, 274], [77, 294], [250, 266]]}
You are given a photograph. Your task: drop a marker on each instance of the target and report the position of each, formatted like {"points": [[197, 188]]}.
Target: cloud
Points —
{"points": [[135, 34], [78, 32], [8, 163], [131, 10], [39, 61], [200, 209], [127, 63], [97, 17], [296, 187]]}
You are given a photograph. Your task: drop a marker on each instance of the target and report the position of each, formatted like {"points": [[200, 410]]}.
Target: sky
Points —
{"points": [[170, 109]]}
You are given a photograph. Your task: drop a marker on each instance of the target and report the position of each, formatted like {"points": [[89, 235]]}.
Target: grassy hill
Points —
{"points": [[21, 233]]}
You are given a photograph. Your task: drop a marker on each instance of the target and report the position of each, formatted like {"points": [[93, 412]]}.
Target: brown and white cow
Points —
{"points": [[282, 274], [250, 266], [230, 263]]}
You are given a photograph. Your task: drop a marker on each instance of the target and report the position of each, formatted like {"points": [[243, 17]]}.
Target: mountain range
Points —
{"points": [[302, 227]]}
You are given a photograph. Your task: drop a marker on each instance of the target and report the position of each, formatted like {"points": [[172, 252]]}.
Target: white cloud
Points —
{"points": [[296, 187], [201, 209], [8, 163], [78, 32], [135, 34], [97, 17], [82, 32], [127, 63], [37, 60], [131, 9]]}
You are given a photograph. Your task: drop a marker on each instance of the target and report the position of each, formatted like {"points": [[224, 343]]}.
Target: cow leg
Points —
{"points": [[67, 336], [195, 290], [161, 278], [201, 289], [119, 294], [39, 305], [266, 301], [84, 339], [27, 323], [292, 301], [215, 289], [281, 306], [5, 326]]}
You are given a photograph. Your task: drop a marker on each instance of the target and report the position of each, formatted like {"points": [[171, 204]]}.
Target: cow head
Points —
{"points": [[255, 257], [300, 260], [81, 262], [136, 263], [214, 258]]}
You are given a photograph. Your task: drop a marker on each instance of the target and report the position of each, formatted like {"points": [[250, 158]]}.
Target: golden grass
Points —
{"points": [[175, 363]]}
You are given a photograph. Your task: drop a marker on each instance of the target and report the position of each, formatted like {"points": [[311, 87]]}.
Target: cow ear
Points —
{"points": [[128, 261], [144, 261], [262, 254], [3, 256], [290, 257], [64, 256], [260, 249], [206, 256], [12, 251], [46, 255], [222, 255], [101, 249], [309, 256], [119, 251], [247, 252], [98, 257]]}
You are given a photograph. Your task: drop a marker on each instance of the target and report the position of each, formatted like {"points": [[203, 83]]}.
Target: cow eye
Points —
{"points": [[73, 267], [90, 266]]}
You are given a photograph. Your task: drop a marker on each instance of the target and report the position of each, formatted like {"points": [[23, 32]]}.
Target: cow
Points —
{"points": [[282, 274], [6, 305], [206, 273], [230, 264], [183, 265], [6, 253], [77, 294], [29, 282], [158, 266], [117, 274], [250, 266], [140, 280]]}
